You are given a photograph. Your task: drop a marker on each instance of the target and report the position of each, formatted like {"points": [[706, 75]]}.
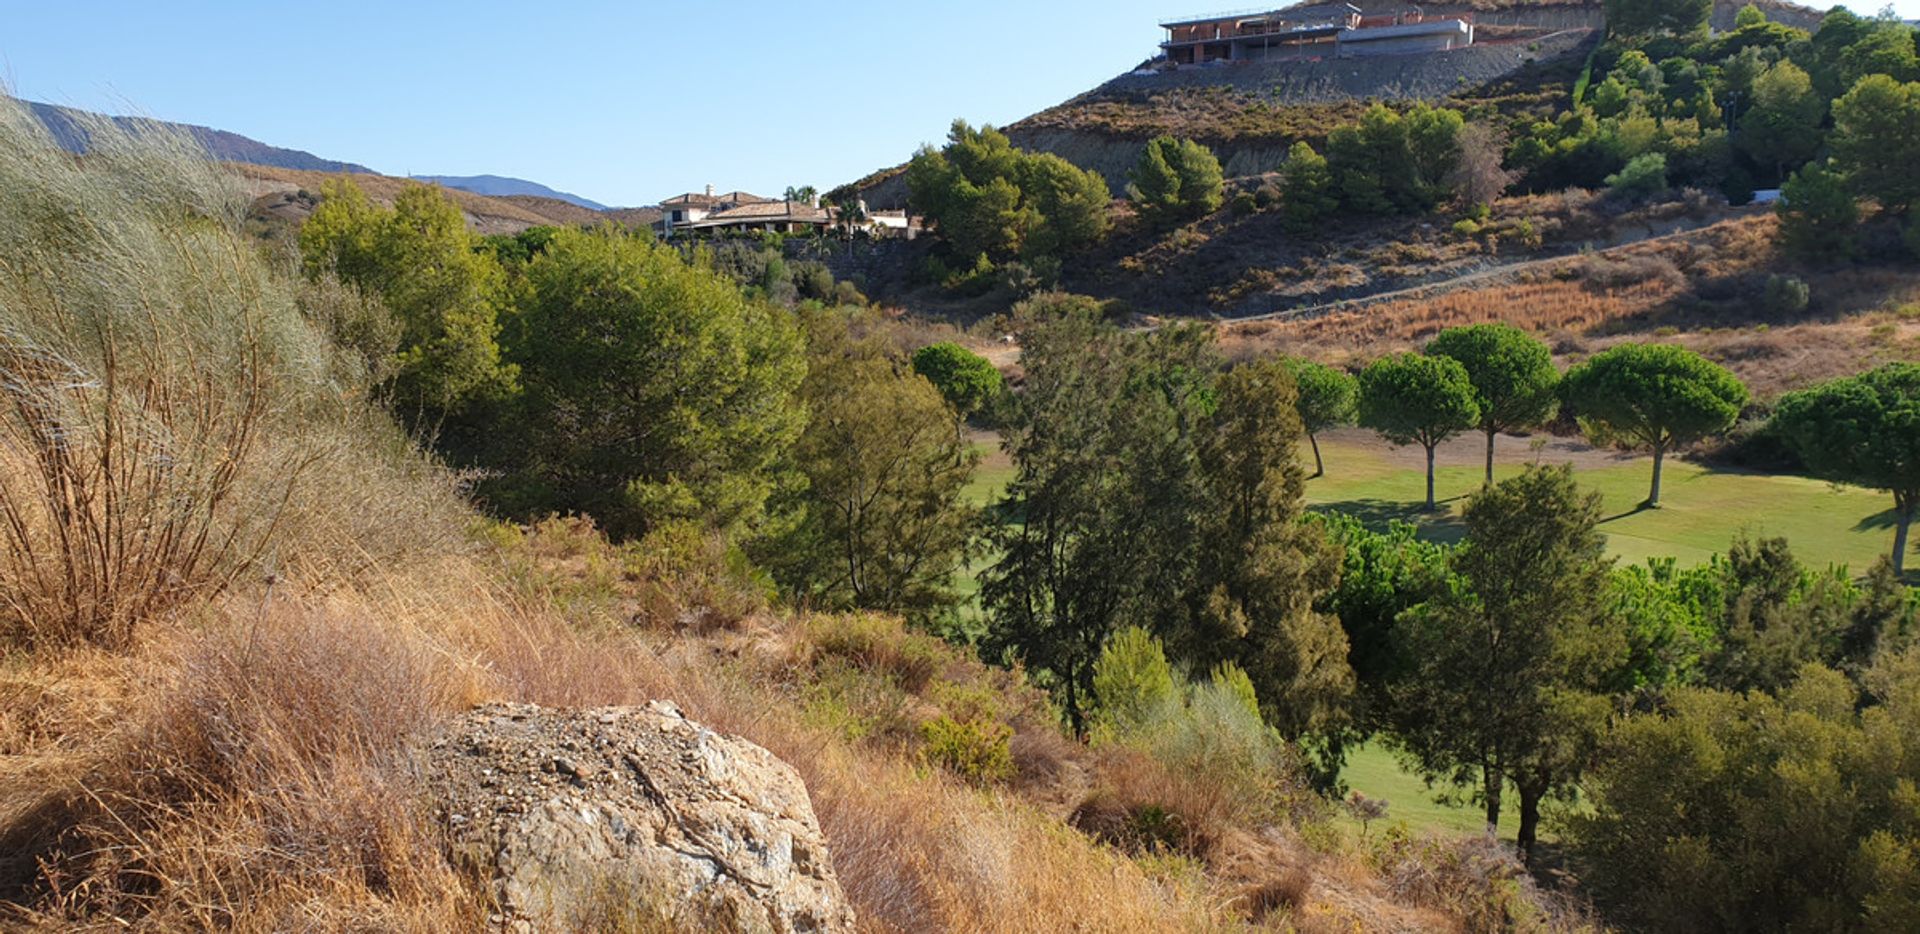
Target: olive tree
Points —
{"points": [[1863, 429], [1655, 397], [1512, 374], [1413, 399]]}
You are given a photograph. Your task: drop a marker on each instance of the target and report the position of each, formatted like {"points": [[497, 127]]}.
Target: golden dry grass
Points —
{"points": [[1701, 290]]}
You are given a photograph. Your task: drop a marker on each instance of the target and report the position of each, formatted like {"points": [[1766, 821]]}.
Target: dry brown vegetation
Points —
{"points": [[1703, 289], [488, 215]]}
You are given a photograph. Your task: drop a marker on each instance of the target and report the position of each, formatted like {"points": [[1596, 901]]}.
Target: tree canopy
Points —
{"points": [[1175, 179], [1514, 382], [662, 393], [1653, 396], [1506, 677], [990, 199], [1326, 398], [969, 382], [424, 264], [1414, 399], [1864, 430]]}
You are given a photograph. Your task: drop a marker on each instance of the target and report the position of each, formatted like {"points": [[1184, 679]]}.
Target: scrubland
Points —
{"points": [[237, 598]]}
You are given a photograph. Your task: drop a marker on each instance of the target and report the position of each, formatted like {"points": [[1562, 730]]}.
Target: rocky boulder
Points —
{"points": [[631, 816]]}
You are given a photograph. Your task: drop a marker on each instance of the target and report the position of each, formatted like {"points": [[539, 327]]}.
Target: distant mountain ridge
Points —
{"points": [[68, 127], [501, 186]]}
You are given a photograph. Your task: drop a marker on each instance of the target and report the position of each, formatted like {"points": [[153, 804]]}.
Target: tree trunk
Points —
{"points": [[1529, 820], [1493, 783], [1319, 469], [1659, 456], [1430, 503], [1903, 523], [1490, 435]]}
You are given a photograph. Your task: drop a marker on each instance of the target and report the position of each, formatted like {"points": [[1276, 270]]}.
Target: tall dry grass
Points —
{"points": [[169, 421]]}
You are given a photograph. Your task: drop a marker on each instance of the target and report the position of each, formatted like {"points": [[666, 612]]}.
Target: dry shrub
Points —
{"points": [[166, 413]]}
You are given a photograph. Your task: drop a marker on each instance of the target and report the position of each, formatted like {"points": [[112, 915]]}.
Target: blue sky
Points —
{"points": [[624, 103]]}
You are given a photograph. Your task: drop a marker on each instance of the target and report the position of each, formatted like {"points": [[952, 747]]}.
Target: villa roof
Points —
{"points": [[763, 211]]}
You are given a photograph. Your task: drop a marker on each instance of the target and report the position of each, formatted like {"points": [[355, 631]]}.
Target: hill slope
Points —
{"points": [[502, 186], [69, 128]]}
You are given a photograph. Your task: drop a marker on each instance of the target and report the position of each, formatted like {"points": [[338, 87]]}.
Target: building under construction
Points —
{"points": [[1324, 30]]}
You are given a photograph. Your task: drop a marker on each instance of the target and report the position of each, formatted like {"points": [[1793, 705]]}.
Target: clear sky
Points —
{"points": [[620, 102]]}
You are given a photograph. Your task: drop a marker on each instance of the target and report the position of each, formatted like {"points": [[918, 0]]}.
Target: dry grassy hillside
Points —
{"points": [[281, 188], [1704, 288]]}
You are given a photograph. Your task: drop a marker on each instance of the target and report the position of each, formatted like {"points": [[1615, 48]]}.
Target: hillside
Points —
{"points": [[287, 195], [68, 127], [500, 186]]}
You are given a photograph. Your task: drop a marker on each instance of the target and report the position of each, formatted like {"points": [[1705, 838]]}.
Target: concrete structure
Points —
{"points": [[1296, 31], [1418, 38], [1309, 31]]}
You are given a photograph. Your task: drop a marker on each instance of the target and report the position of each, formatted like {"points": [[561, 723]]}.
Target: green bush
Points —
{"points": [[1244, 203], [1786, 295], [1131, 681], [1643, 177], [879, 643], [976, 750], [970, 382]]}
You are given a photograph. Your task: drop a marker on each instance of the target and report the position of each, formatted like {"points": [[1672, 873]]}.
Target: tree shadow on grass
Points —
{"points": [[1441, 525], [1879, 521]]}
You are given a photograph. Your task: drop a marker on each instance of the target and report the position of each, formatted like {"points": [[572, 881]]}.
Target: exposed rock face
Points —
{"points": [[587, 818]]}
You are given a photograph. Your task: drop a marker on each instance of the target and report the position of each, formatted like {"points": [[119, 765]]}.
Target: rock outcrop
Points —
{"points": [[585, 819]]}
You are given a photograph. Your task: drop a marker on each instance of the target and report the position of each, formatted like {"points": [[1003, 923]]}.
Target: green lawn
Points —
{"points": [[1701, 512], [1376, 773]]}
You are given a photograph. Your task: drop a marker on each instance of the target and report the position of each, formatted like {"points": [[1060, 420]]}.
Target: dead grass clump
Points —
{"points": [[261, 780], [1607, 274]]}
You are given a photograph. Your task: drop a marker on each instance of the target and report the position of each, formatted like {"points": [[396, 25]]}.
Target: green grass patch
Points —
{"points": [[1702, 509], [1374, 771]]}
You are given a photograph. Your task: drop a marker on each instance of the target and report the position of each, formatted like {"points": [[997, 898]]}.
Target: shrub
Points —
{"points": [[1785, 295], [976, 750], [1466, 227], [1643, 177], [1244, 203], [878, 643], [168, 419], [968, 381], [1131, 680]]}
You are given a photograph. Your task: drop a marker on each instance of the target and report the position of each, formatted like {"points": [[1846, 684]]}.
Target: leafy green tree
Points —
{"points": [[1261, 569], [969, 382], [1383, 575], [1326, 398], [1175, 179], [1751, 812], [1773, 616], [1641, 19], [881, 523], [1876, 141], [1512, 372], [1506, 676], [1782, 128], [1307, 192], [990, 199], [1071, 203], [1655, 397], [1886, 49], [1818, 214], [428, 269], [1393, 163], [1413, 399], [661, 392], [1749, 15], [1864, 430], [1096, 527]]}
